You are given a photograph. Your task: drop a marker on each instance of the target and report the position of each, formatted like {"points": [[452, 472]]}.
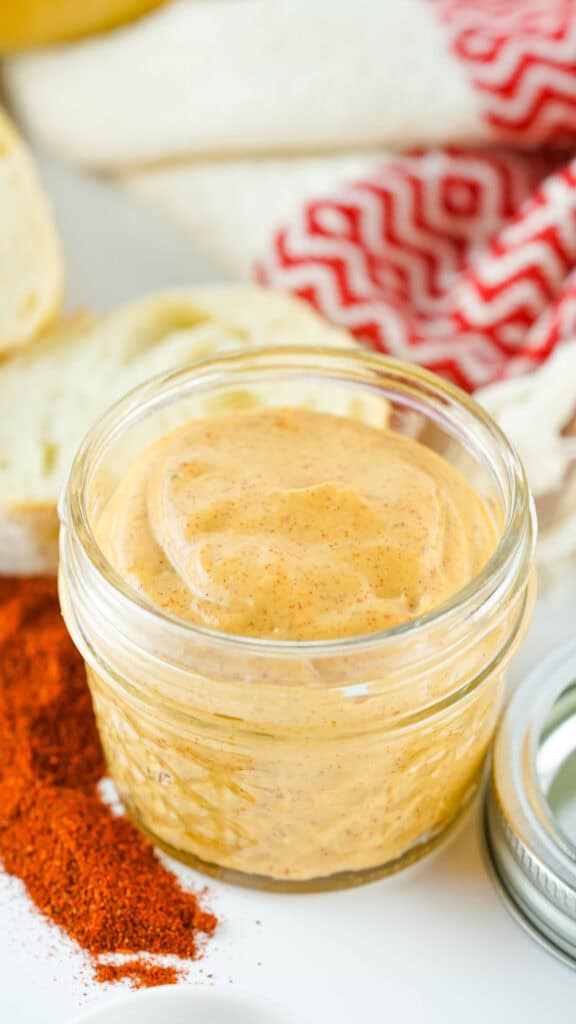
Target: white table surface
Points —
{"points": [[433, 944]]}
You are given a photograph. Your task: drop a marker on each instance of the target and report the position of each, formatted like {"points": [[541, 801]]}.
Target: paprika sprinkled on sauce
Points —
{"points": [[85, 868]]}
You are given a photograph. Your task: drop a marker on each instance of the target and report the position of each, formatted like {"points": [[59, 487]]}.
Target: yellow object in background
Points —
{"points": [[36, 22]]}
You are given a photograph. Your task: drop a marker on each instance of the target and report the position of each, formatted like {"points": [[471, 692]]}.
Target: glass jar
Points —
{"points": [[298, 765]]}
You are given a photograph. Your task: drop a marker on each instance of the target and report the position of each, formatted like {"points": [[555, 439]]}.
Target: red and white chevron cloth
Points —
{"points": [[462, 260]]}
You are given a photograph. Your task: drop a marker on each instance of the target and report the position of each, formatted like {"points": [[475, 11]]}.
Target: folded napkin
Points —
{"points": [[241, 77], [456, 259], [464, 260], [226, 115], [231, 208], [461, 259]]}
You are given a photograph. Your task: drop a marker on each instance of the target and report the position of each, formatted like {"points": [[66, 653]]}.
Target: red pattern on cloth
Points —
{"points": [[461, 260], [521, 56]]}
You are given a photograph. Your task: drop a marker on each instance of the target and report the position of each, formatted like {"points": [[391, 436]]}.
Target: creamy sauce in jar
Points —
{"points": [[289, 524], [293, 525]]}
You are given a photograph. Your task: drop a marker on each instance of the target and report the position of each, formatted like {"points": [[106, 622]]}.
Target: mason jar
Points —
{"points": [[298, 765]]}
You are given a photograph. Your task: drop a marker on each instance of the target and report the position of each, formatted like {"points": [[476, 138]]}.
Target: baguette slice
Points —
{"points": [[54, 390], [31, 268]]}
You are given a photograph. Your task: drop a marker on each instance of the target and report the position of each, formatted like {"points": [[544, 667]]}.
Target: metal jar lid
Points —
{"points": [[530, 807]]}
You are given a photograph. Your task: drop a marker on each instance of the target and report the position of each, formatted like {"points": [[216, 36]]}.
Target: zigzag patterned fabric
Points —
{"points": [[462, 260]]}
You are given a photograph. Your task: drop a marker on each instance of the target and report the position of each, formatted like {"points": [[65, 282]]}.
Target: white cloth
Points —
{"points": [[226, 115], [239, 77], [231, 208]]}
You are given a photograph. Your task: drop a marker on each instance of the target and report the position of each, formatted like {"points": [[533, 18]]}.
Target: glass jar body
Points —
{"points": [[296, 811], [299, 765]]}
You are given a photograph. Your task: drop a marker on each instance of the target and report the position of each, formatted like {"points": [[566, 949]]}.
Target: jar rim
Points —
{"points": [[518, 533]]}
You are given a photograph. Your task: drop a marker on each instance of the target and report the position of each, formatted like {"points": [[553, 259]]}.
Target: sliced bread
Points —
{"points": [[31, 269], [54, 390]]}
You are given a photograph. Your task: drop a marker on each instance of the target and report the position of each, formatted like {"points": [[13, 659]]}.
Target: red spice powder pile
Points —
{"points": [[89, 871]]}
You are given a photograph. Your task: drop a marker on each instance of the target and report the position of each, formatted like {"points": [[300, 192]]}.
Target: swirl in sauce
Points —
{"points": [[294, 525]]}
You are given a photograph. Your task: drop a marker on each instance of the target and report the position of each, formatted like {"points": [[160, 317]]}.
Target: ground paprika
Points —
{"points": [[84, 867]]}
